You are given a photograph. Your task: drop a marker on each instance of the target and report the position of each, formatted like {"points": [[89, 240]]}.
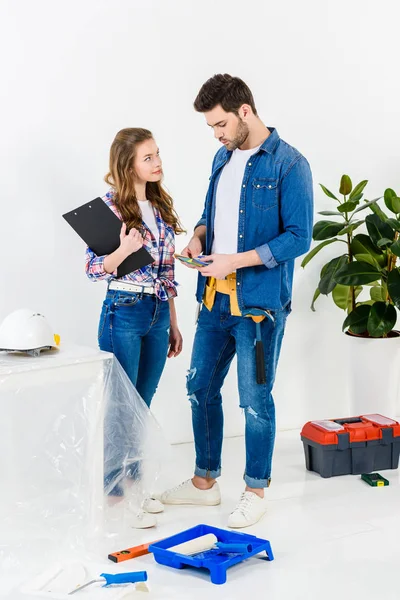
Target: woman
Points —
{"points": [[138, 322]]}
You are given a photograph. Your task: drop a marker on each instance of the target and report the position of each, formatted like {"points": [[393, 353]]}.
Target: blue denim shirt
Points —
{"points": [[275, 219]]}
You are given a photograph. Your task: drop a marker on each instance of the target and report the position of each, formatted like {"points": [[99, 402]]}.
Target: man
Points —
{"points": [[257, 219]]}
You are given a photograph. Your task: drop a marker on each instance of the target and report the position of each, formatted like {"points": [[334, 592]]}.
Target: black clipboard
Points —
{"points": [[99, 228]]}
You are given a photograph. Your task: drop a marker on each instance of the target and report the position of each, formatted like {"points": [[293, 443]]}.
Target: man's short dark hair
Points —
{"points": [[230, 92]]}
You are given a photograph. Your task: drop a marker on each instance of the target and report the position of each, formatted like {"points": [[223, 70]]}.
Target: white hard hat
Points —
{"points": [[27, 331]]}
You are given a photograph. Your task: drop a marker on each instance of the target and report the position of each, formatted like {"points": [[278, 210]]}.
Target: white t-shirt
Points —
{"points": [[226, 222], [149, 218]]}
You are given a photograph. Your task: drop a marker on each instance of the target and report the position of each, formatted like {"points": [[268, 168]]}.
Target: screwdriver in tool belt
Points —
{"points": [[119, 578]]}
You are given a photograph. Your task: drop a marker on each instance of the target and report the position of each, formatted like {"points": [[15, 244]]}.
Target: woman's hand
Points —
{"points": [[175, 342], [131, 242]]}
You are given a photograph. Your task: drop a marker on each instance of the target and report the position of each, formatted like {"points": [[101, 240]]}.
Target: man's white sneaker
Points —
{"points": [[187, 493], [153, 506], [249, 510], [140, 519]]}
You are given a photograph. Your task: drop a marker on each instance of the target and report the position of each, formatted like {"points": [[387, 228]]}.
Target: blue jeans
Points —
{"points": [[135, 328], [219, 336]]}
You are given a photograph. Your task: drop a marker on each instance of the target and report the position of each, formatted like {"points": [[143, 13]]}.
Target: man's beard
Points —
{"points": [[241, 136]]}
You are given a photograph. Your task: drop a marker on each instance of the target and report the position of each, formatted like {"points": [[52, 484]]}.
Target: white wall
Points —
{"points": [[74, 73]]}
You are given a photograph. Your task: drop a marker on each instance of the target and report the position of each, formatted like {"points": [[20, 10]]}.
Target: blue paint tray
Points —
{"points": [[217, 564]]}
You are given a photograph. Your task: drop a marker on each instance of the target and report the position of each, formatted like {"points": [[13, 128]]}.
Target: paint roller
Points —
{"points": [[204, 543]]}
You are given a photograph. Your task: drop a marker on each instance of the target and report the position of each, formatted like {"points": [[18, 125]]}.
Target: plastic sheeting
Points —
{"points": [[75, 438]]}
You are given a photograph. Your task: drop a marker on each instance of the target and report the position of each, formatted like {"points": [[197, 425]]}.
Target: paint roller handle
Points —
{"points": [[236, 548], [133, 577]]}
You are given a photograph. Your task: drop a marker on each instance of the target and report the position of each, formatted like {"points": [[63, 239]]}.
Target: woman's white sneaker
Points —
{"points": [[250, 510], [187, 493], [140, 519], [153, 506]]}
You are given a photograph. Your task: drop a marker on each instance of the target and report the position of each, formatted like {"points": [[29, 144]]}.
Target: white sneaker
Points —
{"points": [[153, 506], [187, 493], [249, 510], [140, 519]]}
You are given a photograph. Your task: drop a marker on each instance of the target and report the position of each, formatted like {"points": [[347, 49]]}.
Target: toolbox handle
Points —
{"points": [[350, 420]]}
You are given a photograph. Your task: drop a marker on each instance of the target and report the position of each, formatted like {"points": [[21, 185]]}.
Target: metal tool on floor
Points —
{"points": [[115, 579], [56, 580]]}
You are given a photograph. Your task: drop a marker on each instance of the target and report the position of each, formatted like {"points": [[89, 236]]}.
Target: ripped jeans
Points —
{"points": [[219, 336]]}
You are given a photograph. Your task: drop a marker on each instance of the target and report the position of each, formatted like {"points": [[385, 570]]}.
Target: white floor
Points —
{"points": [[331, 538]]}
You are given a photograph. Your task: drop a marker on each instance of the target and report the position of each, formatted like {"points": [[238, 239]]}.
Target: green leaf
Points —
{"points": [[377, 229], [317, 293], [324, 230], [356, 198], [347, 207], [357, 273], [341, 295], [393, 284], [377, 293], [394, 223], [358, 189], [379, 212], [357, 290], [395, 248], [371, 260], [367, 204], [345, 185], [383, 242], [323, 270], [362, 244], [382, 318], [327, 282], [392, 201], [330, 213], [350, 228], [357, 320], [327, 192], [315, 251]]}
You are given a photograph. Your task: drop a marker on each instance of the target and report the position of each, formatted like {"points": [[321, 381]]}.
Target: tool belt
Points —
{"points": [[228, 286], [224, 286]]}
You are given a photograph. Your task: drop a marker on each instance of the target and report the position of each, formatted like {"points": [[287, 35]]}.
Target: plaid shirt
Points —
{"points": [[160, 274]]}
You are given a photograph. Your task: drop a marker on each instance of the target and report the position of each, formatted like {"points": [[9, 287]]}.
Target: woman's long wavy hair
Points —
{"points": [[121, 177]]}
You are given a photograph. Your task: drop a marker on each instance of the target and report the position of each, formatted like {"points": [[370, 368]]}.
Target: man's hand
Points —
{"points": [[192, 250], [221, 265]]}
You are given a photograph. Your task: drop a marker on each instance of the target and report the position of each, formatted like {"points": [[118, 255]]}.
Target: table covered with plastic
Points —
{"points": [[75, 439]]}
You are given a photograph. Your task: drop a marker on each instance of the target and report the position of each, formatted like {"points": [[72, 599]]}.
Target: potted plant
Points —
{"points": [[368, 264]]}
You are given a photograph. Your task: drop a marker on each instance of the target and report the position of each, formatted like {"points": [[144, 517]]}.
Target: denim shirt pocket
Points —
{"points": [[264, 193]]}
